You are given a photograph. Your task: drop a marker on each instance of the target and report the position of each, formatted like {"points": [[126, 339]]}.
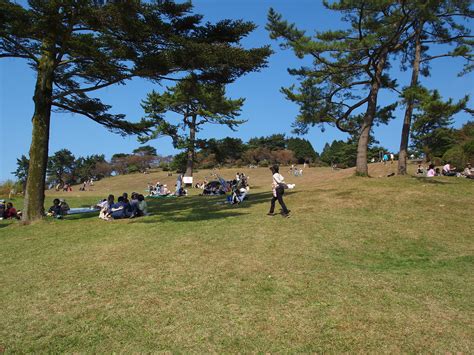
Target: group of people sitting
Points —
{"points": [[123, 208], [158, 189], [7, 211], [87, 184], [447, 170], [221, 186], [240, 190], [59, 209]]}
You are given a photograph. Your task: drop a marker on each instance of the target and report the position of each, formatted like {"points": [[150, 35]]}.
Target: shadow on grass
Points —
{"points": [[82, 215], [430, 180], [196, 208]]}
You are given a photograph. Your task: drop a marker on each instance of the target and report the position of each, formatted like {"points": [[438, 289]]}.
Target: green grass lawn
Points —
{"points": [[363, 265]]}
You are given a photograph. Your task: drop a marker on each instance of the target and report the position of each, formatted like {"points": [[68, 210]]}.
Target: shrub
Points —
{"points": [[164, 166], [456, 156], [468, 149], [9, 185]]}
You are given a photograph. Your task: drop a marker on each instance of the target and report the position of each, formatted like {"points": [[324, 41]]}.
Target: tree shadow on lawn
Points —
{"points": [[196, 208], [72, 217], [430, 180]]}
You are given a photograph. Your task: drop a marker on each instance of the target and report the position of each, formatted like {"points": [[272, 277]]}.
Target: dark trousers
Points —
{"points": [[279, 197]]}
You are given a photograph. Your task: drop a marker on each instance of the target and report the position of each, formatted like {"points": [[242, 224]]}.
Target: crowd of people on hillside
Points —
{"points": [[124, 207], [446, 170]]}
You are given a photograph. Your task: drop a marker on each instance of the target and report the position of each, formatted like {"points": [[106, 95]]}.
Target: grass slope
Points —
{"points": [[380, 265]]}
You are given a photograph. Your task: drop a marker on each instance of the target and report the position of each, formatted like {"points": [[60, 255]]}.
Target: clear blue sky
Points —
{"points": [[265, 107]]}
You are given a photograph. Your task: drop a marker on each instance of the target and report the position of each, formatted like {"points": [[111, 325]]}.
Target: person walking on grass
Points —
{"points": [[278, 189]]}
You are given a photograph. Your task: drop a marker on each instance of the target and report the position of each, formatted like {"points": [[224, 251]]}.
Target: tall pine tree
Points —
{"points": [[436, 23], [349, 67], [80, 46], [197, 103]]}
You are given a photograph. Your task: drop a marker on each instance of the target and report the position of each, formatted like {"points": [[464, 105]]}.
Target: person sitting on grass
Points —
{"points": [[119, 209], [106, 207], [64, 206], [134, 212], [468, 172], [125, 197], [2, 208], [142, 206], [431, 171], [10, 212], [239, 195], [420, 170], [55, 210], [448, 171]]}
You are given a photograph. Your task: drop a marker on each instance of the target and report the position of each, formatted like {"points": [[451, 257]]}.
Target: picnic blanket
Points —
{"points": [[161, 196], [79, 210]]}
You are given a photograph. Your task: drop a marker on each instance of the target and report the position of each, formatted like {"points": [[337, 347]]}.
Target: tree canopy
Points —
{"points": [[349, 67], [77, 47]]}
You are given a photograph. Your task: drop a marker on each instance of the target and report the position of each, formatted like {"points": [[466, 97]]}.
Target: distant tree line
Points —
{"points": [[259, 151], [65, 168]]}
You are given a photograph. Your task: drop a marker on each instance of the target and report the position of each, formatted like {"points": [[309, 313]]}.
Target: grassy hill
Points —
{"points": [[363, 265]]}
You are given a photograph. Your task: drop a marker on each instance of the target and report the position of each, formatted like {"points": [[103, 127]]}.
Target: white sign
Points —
{"points": [[188, 180]]}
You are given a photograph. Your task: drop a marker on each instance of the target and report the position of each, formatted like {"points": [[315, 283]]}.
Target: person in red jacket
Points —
{"points": [[10, 212]]}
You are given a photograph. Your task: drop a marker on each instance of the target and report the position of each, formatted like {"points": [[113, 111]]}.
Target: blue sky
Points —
{"points": [[265, 108]]}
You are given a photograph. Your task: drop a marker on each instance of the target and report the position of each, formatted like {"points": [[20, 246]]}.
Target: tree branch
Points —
{"points": [[80, 112], [28, 54], [438, 56], [11, 55], [447, 40], [92, 88], [348, 112]]}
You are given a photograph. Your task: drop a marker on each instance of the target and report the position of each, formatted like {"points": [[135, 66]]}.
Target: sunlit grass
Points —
{"points": [[379, 265]]}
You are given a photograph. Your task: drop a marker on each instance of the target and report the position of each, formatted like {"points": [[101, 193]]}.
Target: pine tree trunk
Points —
{"points": [[35, 185], [402, 155], [362, 168], [191, 148]]}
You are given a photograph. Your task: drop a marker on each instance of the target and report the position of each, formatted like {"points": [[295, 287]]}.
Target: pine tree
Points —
{"points": [[61, 166], [198, 103], [433, 117], [80, 46], [435, 23], [349, 67]]}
